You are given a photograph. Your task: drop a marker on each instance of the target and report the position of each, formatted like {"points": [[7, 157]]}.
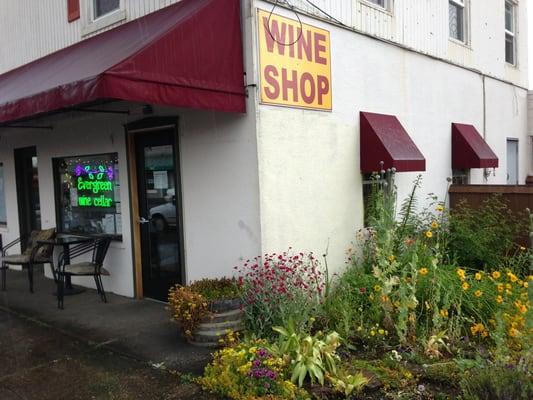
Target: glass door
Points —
{"points": [[27, 181], [159, 212]]}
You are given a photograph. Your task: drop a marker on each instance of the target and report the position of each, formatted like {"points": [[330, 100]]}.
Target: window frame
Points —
{"points": [[58, 196], [94, 24], [511, 33], [465, 5], [372, 3]]}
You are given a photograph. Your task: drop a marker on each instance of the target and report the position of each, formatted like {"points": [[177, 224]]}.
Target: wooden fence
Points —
{"points": [[519, 197]]}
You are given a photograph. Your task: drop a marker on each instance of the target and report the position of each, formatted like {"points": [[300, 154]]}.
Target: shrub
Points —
{"points": [[217, 289], [497, 383], [249, 371], [485, 237], [187, 308], [280, 287]]}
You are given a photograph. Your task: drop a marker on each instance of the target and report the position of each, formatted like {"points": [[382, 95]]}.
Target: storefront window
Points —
{"points": [[88, 194], [3, 216]]}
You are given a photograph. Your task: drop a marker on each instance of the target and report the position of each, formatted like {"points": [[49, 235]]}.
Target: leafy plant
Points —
{"points": [[310, 356], [484, 237], [279, 287], [217, 289], [187, 307], [497, 383], [248, 370]]}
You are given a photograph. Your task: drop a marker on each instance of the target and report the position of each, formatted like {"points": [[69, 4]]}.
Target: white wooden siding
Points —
{"points": [[30, 29]]}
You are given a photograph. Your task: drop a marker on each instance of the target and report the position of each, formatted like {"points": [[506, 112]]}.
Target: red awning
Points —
{"points": [[469, 149], [185, 55], [383, 139]]}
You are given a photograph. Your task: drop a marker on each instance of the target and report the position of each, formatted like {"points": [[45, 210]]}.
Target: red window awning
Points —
{"points": [[383, 139], [469, 149], [185, 55]]}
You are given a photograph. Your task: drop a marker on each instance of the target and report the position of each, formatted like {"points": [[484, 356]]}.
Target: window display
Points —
{"points": [[88, 189]]}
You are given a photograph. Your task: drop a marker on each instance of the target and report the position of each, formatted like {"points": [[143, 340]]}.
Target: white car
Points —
{"points": [[164, 215]]}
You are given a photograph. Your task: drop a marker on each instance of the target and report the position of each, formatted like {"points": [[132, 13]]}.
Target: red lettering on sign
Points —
{"points": [[274, 36], [305, 45], [271, 73], [320, 47], [323, 88], [291, 84], [307, 78]]}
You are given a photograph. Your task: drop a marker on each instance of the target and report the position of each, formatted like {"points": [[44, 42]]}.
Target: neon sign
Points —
{"points": [[94, 186]]}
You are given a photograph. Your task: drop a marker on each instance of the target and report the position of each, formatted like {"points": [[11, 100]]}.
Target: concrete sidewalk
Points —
{"points": [[136, 328]]}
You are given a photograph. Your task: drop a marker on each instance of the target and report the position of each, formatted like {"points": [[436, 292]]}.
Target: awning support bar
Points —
{"points": [[101, 111], [50, 128]]}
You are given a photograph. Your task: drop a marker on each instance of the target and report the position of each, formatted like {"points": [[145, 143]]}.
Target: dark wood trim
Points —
{"points": [[490, 189], [132, 130], [134, 215]]}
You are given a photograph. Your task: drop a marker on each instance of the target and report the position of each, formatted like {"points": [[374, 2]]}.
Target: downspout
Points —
{"points": [[486, 171]]}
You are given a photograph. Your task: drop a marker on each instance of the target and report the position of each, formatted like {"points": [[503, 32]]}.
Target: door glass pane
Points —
{"points": [[159, 175], [34, 195], [3, 215], [512, 162]]}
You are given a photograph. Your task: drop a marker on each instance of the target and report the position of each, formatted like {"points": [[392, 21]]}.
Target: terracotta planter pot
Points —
{"points": [[226, 315]]}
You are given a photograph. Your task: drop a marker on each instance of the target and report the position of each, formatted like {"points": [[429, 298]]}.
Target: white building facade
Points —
{"points": [[278, 174]]}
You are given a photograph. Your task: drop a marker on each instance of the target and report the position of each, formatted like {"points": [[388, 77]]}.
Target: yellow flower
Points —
{"points": [[423, 271], [477, 328], [392, 258], [499, 299], [526, 285], [429, 234], [512, 277], [522, 248], [513, 332], [508, 286], [461, 273], [377, 288], [478, 276], [465, 286], [496, 274], [444, 313], [372, 333], [484, 334], [381, 331], [530, 278], [478, 293], [434, 224], [439, 208]]}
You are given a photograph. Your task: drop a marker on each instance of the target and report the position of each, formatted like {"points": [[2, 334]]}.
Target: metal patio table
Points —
{"points": [[65, 242]]}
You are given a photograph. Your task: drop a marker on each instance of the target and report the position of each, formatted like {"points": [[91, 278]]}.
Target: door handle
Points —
{"points": [[143, 220]]}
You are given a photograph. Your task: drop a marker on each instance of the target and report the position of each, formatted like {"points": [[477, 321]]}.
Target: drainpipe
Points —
{"points": [[486, 171]]}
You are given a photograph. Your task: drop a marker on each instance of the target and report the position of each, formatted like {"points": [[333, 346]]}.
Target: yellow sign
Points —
{"points": [[295, 62]]}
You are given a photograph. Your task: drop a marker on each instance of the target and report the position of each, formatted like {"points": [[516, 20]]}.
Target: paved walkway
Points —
{"points": [[136, 328]]}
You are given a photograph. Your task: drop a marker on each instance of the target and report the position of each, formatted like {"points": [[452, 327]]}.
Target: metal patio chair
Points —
{"points": [[34, 253], [98, 250]]}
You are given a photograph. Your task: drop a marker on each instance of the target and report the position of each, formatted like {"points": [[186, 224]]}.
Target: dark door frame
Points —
{"points": [[24, 193], [132, 131]]}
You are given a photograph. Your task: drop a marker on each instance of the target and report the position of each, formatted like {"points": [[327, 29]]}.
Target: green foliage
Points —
{"points": [[248, 371], [217, 289], [311, 356], [484, 237], [497, 383]]}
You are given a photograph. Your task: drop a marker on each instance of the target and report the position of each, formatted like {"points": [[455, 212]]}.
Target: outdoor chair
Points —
{"points": [[97, 248], [34, 253]]}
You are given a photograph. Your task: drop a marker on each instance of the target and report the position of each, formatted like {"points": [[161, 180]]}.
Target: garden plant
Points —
{"points": [[431, 304]]}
